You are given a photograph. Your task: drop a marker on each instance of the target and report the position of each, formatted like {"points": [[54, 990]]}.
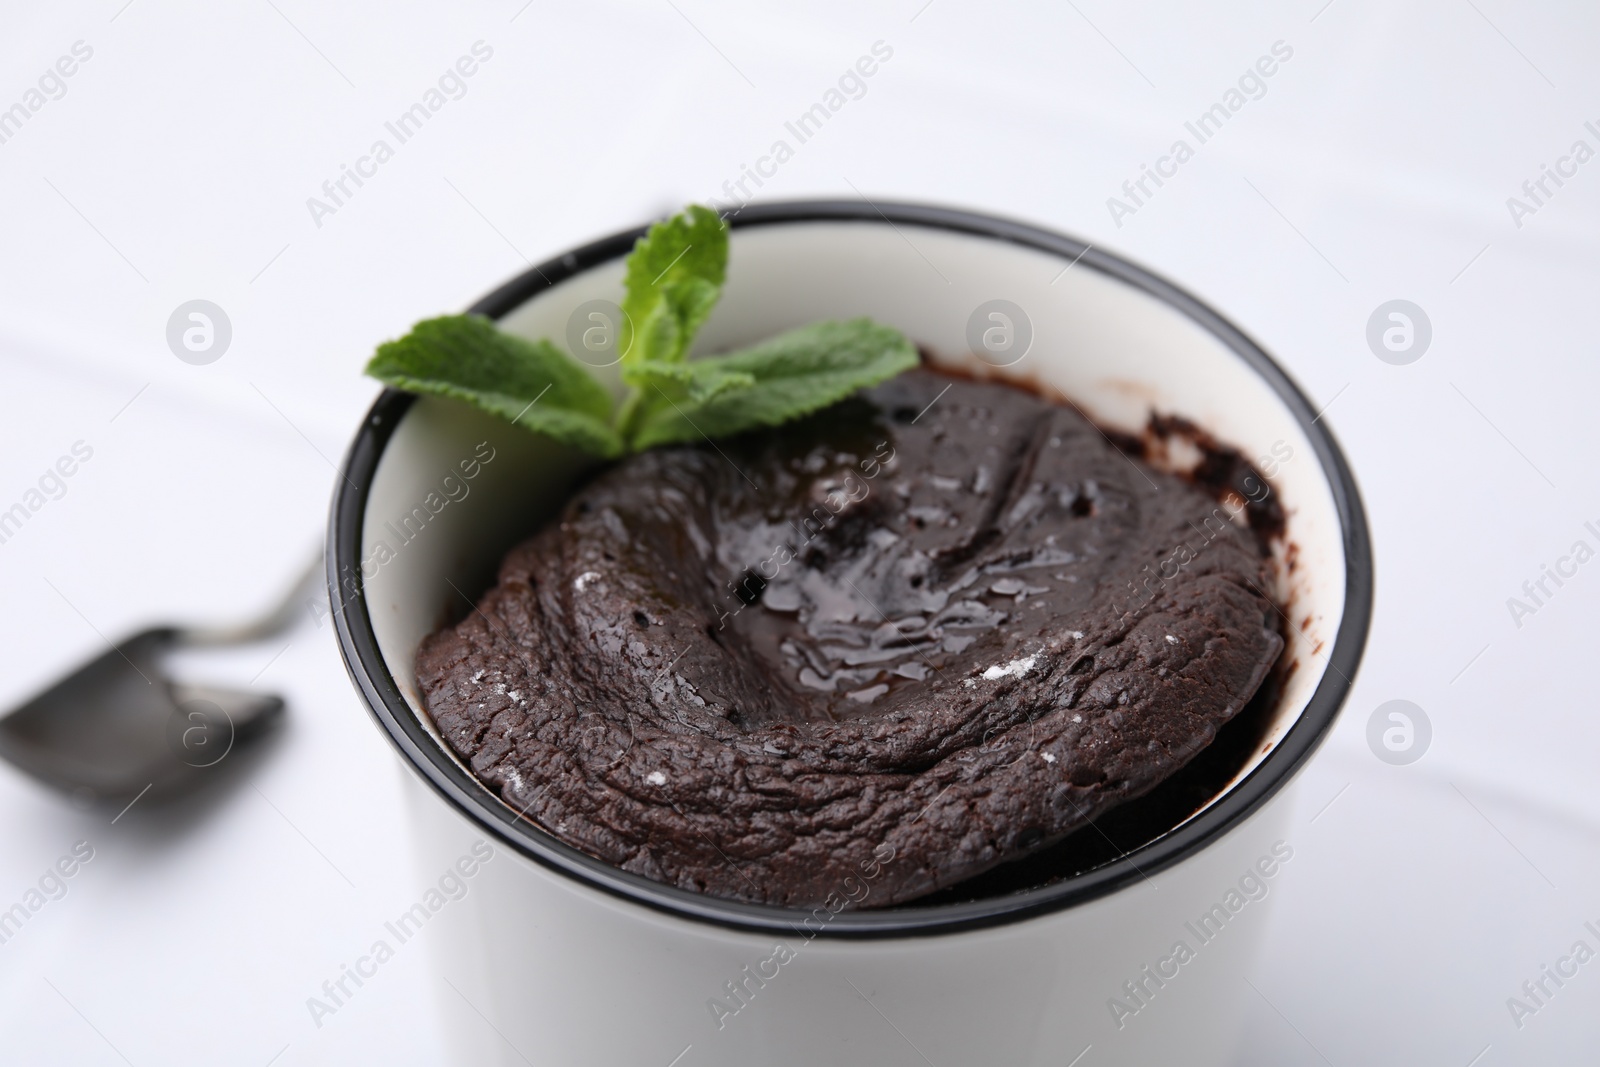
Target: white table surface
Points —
{"points": [[1377, 166]]}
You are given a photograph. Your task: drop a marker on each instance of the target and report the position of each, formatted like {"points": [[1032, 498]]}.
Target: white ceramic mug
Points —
{"points": [[554, 957]]}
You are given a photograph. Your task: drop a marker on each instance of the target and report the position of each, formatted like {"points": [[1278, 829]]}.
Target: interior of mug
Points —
{"points": [[455, 488]]}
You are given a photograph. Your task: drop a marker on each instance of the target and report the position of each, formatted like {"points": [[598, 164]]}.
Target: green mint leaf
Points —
{"points": [[663, 384], [531, 383], [674, 276], [699, 381], [794, 374]]}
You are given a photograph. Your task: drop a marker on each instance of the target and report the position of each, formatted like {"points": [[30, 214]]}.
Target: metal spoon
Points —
{"points": [[118, 727]]}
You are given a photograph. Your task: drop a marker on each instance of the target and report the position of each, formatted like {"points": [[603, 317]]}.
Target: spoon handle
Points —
{"points": [[283, 614]]}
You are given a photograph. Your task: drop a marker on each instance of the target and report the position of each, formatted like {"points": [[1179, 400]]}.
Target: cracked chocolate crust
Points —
{"points": [[861, 657]]}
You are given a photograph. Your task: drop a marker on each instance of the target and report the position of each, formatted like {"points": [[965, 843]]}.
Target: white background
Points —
{"points": [[1376, 166]]}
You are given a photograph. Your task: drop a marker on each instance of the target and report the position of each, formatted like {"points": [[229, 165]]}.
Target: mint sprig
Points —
{"points": [[674, 276]]}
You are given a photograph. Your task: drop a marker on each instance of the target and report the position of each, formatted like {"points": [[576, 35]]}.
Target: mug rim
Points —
{"points": [[358, 643]]}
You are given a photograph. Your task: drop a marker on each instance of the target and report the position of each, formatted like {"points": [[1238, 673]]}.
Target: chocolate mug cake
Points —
{"points": [[922, 633]]}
